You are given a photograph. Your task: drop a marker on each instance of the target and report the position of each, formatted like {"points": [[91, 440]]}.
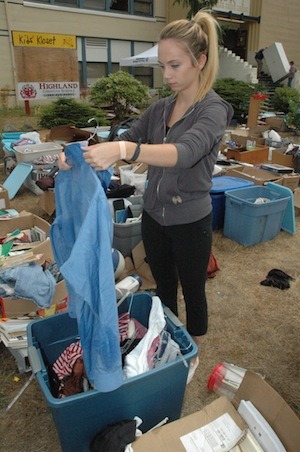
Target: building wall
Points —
{"points": [[136, 33]]}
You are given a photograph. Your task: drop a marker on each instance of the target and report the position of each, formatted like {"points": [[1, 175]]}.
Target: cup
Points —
{"points": [[225, 379]]}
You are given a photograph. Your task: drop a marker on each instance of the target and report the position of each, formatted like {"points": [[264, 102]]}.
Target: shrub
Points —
{"points": [[122, 92], [68, 111], [165, 91], [282, 97], [293, 116], [237, 93]]}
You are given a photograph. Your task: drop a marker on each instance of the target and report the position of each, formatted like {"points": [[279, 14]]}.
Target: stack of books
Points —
{"points": [[13, 332]]}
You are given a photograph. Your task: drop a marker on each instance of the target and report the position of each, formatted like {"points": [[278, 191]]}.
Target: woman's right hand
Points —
{"points": [[62, 162]]}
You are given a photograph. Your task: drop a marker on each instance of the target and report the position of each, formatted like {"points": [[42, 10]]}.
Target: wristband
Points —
{"points": [[122, 147], [137, 151]]}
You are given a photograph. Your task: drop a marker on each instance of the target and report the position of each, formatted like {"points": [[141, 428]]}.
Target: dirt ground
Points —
{"points": [[250, 325]]}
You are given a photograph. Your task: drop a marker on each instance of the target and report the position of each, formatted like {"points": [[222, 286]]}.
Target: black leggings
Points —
{"points": [[182, 253]]}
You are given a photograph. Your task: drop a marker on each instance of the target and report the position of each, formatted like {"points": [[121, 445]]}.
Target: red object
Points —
{"points": [[216, 378], [260, 96]]}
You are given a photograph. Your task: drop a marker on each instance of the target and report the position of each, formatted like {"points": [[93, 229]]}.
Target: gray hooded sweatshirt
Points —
{"points": [[181, 194]]}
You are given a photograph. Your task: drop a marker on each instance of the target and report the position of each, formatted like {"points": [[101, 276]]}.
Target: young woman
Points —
{"points": [[179, 138]]}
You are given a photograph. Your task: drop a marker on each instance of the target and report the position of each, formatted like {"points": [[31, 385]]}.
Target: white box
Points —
{"points": [[34, 151]]}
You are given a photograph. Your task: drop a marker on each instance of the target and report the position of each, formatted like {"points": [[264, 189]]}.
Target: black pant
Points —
{"points": [[182, 253]]}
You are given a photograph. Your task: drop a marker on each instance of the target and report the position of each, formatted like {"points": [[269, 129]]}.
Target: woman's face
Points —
{"points": [[179, 71]]}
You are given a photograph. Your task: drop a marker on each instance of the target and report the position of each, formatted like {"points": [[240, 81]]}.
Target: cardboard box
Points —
{"points": [[47, 201], [139, 266], [280, 158], [25, 220], [271, 405], [297, 198], [289, 180], [14, 307], [251, 140], [258, 155], [70, 134], [256, 175], [4, 199], [276, 123]]}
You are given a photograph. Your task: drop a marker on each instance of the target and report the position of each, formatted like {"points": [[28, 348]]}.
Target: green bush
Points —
{"points": [[165, 91], [68, 111], [121, 91], [237, 93], [282, 97], [293, 116]]}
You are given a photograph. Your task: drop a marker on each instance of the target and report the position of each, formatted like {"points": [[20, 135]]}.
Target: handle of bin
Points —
{"points": [[34, 359], [174, 319]]}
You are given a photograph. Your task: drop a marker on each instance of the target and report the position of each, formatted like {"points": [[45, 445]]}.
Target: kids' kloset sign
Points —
{"points": [[48, 90]]}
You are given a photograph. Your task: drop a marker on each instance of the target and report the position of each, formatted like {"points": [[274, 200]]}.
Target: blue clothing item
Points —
{"points": [[81, 238], [30, 282]]}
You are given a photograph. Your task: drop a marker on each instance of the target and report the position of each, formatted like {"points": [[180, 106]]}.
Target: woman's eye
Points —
{"points": [[175, 65]]}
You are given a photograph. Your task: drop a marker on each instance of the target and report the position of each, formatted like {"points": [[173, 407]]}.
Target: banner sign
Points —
{"points": [[48, 90], [54, 41]]}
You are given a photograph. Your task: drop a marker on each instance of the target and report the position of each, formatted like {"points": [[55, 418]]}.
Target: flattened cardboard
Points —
{"points": [[256, 175], [10, 307], [271, 405], [167, 438]]}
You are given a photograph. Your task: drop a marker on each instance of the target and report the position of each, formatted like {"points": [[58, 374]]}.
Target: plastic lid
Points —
{"points": [[224, 183], [216, 377]]}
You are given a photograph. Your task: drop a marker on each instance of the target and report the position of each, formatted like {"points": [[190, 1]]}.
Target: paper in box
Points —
{"points": [[270, 404]]}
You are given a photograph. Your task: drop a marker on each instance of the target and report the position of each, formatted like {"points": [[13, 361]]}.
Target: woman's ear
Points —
{"points": [[201, 61]]}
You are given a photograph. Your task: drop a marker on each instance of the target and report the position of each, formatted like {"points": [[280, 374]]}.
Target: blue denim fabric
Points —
{"points": [[31, 282], [81, 238]]}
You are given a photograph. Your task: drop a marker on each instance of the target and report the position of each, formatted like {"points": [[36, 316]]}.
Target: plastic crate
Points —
{"points": [[32, 152], [152, 395], [249, 223], [276, 144], [128, 235], [217, 193]]}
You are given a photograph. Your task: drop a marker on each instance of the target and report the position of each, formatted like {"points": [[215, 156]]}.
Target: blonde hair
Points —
{"points": [[200, 35]]}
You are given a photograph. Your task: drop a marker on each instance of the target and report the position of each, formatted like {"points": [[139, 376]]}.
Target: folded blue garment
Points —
{"points": [[31, 282]]}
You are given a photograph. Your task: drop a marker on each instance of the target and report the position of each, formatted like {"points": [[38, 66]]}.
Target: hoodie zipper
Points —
{"points": [[164, 141]]}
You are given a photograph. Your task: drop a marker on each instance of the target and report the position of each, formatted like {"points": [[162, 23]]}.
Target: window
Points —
{"points": [[119, 5], [143, 7]]}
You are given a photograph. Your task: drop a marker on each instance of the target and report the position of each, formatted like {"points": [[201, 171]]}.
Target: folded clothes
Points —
{"points": [[30, 282]]}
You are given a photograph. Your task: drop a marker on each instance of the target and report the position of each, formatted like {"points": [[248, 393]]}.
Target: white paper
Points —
{"points": [[217, 436]]}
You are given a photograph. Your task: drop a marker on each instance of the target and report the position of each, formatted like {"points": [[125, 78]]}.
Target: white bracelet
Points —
{"points": [[122, 146]]}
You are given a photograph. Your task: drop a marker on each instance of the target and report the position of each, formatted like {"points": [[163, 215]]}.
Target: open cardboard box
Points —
{"points": [[47, 201], [271, 405], [259, 154], [16, 307], [70, 134], [139, 266], [280, 158], [256, 175]]}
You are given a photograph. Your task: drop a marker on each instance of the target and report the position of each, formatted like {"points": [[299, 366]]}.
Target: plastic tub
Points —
{"points": [[248, 222], [217, 193], [152, 395], [34, 151]]}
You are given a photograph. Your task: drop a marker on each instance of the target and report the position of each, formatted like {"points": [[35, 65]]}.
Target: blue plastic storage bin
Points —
{"points": [[152, 396], [249, 223], [217, 193]]}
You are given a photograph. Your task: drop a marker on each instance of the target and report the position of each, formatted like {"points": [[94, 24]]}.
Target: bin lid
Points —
{"points": [[224, 183]]}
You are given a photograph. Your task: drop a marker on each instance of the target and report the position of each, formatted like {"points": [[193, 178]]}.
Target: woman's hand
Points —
{"points": [[102, 155], [62, 162]]}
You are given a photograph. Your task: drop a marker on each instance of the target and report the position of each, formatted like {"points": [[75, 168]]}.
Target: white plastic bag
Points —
{"points": [[136, 361]]}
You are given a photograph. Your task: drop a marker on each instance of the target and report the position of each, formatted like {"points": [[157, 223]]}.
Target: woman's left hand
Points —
{"points": [[102, 155]]}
